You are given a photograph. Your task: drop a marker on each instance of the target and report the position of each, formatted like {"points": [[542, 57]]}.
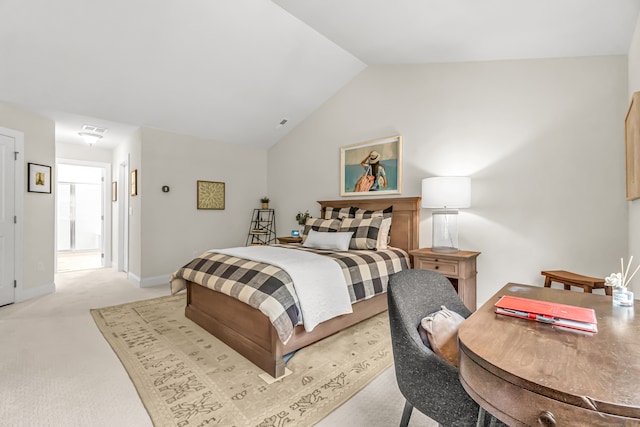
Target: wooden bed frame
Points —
{"points": [[249, 332]]}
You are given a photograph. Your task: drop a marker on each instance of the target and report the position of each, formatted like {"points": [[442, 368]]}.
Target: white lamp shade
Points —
{"points": [[446, 192]]}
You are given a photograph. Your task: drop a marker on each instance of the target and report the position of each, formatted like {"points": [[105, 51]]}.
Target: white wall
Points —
{"points": [[541, 140], [84, 153], [119, 161], [128, 152], [634, 206], [39, 208], [173, 230]]}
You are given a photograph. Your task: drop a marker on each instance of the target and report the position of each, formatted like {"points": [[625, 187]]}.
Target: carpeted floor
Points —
{"points": [[56, 368]]}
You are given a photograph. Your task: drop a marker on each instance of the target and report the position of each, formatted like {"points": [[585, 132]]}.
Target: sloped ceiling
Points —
{"points": [[226, 70], [424, 31], [231, 70]]}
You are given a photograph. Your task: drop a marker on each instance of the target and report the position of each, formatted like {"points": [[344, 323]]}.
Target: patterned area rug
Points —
{"points": [[188, 378]]}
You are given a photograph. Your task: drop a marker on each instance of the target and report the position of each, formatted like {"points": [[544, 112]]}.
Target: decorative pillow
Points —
{"points": [[383, 235], [338, 213], [318, 224], [332, 241], [363, 213], [385, 213], [441, 330], [365, 231]]}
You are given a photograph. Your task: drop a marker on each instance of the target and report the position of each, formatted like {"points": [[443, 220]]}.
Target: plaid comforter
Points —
{"points": [[269, 288]]}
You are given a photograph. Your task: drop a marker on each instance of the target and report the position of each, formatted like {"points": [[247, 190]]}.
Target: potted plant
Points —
{"points": [[301, 218], [265, 202]]}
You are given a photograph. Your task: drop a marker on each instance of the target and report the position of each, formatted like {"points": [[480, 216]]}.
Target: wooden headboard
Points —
{"points": [[405, 227]]}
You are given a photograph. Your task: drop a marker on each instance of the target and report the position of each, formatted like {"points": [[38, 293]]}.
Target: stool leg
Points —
{"points": [[567, 287], [547, 281]]}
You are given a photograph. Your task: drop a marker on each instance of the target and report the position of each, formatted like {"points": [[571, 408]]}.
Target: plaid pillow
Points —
{"points": [[365, 231], [319, 224], [363, 213], [338, 213], [385, 213]]}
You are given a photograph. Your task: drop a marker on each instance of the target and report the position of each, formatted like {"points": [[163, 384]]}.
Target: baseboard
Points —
{"points": [[133, 278], [38, 291], [155, 281], [149, 281]]}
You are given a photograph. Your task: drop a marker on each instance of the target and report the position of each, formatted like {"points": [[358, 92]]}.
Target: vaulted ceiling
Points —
{"points": [[232, 70]]}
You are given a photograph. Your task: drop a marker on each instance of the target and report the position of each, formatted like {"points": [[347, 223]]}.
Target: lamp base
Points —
{"points": [[445, 250], [444, 238]]}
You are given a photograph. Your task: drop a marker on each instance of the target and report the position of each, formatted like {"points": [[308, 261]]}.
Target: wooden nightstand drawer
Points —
{"points": [[458, 267], [441, 266]]}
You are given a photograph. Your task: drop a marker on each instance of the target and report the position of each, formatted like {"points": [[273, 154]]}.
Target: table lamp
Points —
{"points": [[446, 194]]}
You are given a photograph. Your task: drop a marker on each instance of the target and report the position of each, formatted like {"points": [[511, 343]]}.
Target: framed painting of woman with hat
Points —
{"points": [[372, 167]]}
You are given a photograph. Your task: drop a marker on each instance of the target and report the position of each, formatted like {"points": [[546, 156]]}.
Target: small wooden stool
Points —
{"points": [[568, 279]]}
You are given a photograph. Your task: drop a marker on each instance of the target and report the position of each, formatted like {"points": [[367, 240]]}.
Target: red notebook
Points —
{"points": [[568, 316]]}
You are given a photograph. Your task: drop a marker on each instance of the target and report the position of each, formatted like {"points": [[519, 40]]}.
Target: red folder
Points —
{"points": [[556, 314]]}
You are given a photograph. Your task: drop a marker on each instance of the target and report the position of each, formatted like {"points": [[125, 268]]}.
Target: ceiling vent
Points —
{"points": [[94, 129]]}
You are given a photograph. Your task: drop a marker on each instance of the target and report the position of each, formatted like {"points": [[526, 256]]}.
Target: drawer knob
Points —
{"points": [[437, 267], [546, 419]]}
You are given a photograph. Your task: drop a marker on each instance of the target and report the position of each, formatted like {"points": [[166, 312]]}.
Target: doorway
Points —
{"points": [[11, 215], [7, 222], [80, 217]]}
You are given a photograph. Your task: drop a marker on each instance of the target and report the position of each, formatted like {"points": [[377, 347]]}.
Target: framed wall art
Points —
{"points": [[134, 182], [114, 191], [39, 178], [372, 167], [210, 195], [632, 147]]}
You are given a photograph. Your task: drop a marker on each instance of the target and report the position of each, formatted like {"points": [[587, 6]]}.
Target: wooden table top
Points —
{"points": [[598, 372]]}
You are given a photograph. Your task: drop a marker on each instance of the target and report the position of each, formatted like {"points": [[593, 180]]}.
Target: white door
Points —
{"points": [[7, 214]]}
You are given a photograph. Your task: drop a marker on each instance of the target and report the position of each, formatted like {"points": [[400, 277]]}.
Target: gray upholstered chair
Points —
{"points": [[426, 381]]}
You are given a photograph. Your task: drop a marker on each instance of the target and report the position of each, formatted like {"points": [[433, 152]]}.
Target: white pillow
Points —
{"points": [[383, 234], [338, 241]]}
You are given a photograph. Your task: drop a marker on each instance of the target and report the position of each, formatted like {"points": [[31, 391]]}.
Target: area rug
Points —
{"points": [[188, 378]]}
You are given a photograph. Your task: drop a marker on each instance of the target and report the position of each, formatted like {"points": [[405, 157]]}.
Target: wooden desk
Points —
{"points": [[528, 373]]}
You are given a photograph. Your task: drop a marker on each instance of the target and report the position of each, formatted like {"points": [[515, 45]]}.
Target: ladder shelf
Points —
{"points": [[262, 230]]}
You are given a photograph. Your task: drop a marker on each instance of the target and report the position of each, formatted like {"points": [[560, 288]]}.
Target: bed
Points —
{"points": [[252, 334]]}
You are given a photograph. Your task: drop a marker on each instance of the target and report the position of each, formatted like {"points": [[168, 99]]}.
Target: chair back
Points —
{"points": [[428, 383]]}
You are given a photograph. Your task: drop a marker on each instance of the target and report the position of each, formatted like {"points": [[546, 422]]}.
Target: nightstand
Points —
{"points": [[459, 268], [289, 239]]}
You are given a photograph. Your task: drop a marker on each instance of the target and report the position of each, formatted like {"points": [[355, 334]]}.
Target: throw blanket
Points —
{"points": [[318, 281]]}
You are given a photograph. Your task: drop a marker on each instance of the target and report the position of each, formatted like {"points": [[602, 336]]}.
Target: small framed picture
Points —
{"points": [[114, 191], [210, 195], [39, 178], [134, 182]]}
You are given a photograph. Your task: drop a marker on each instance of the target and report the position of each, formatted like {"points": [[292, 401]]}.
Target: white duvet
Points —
{"points": [[318, 280]]}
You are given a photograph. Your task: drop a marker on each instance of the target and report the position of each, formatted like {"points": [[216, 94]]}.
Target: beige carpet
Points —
{"points": [[186, 377]]}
